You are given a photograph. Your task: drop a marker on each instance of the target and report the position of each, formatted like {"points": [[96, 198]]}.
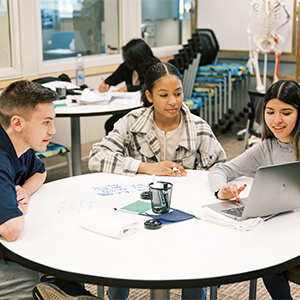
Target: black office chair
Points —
{"points": [[232, 77], [254, 121]]}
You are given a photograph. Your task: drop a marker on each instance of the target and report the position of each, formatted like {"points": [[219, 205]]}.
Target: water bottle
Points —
{"points": [[79, 70]]}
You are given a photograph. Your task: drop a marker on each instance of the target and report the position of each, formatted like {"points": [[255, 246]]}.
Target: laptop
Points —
{"points": [[275, 189]]}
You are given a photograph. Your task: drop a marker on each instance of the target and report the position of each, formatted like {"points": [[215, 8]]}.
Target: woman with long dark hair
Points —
{"points": [[280, 144], [138, 57]]}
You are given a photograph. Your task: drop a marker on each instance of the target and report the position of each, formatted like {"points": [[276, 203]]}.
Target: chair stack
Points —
{"points": [[209, 87], [54, 149], [187, 61], [253, 127], [231, 80]]}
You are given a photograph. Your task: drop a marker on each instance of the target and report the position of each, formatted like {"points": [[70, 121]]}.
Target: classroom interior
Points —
{"points": [[99, 28]]}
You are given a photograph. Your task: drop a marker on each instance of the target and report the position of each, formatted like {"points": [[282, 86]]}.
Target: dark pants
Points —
{"points": [[278, 286]]}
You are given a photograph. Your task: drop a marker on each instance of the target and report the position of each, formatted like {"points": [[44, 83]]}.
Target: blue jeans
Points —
{"points": [[278, 286], [114, 293]]}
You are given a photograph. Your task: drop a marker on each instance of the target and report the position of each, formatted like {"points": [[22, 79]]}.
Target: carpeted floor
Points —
{"points": [[235, 291]]}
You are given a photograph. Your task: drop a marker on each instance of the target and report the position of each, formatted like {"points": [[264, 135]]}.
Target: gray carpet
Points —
{"points": [[234, 291]]}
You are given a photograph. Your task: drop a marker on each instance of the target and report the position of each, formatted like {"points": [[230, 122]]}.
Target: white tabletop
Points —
{"points": [[186, 254], [123, 103]]}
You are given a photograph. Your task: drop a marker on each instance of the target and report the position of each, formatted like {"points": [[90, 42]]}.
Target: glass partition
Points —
{"points": [[70, 27], [167, 22], [5, 41]]}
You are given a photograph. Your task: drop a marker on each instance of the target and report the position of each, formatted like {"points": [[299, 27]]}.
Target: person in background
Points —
{"points": [[26, 124], [162, 138], [138, 57], [280, 144]]}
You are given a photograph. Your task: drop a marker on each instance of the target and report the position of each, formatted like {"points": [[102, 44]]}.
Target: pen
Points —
{"points": [[176, 170], [130, 212]]}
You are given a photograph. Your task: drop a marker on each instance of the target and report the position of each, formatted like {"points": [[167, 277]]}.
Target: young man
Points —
{"points": [[26, 124]]}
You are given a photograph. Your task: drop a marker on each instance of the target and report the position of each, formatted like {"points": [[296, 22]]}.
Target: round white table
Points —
{"points": [[187, 254], [76, 111]]}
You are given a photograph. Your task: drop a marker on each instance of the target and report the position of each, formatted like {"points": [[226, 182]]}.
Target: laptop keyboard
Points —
{"points": [[235, 211]]}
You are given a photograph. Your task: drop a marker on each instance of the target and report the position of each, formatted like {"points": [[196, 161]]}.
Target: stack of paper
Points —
{"points": [[89, 97], [207, 214]]}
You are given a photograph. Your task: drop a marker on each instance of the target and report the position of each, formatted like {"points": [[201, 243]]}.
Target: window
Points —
{"points": [[10, 60], [167, 22], [70, 27], [5, 45]]}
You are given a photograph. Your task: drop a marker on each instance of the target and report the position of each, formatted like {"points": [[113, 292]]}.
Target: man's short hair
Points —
{"points": [[21, 97]]}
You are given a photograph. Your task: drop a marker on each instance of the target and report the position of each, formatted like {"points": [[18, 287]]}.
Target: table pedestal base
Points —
{"points": [[100, 291], [159, 294], [76, 146]]}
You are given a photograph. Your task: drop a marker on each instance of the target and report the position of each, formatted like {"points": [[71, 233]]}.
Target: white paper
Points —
{"points": [[60, 84], [114, 93], [110, 223], [89, 97], [209, 215]]}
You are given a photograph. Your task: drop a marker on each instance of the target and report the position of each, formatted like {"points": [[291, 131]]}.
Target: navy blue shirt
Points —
{"points": [[14, 171]]}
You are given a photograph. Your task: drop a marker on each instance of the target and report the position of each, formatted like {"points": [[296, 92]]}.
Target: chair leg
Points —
{"points": [[100, 291], [69, 161], [246, 136], [213, 293], [252, 289]]}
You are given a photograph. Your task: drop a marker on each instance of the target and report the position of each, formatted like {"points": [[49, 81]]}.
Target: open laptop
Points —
{"points": [[275, 189]]}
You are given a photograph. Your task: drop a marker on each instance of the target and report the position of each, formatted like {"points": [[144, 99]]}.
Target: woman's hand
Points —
{"points": [[230, 190], [22, 196], [103, 87], [163, 168], [122, 89]]}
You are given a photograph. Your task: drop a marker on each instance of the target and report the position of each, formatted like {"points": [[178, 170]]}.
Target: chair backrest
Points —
{"points": [[209, 46], [255, 113], [62, 39]]}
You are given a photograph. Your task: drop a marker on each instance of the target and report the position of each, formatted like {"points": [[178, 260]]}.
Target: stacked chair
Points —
{"points": [[187, 61], [218, 89], [54, 149], [254, 121]]}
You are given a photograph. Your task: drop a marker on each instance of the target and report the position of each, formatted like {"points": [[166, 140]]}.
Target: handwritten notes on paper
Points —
{"points": [[96, 197], [117, 189]]}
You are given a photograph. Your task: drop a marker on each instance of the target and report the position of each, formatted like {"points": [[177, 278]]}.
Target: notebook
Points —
{"points": [[275, 189]]}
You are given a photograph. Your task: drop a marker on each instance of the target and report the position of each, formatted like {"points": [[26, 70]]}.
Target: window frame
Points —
{"points": [[128, 29], [67, 64], [27, 57], [14, 70]]}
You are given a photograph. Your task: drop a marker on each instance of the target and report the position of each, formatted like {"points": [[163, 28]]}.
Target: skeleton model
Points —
{"points": [[267, 13]]}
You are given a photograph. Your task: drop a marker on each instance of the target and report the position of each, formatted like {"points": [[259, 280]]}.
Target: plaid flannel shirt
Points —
{"points": [[133, 141]]}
